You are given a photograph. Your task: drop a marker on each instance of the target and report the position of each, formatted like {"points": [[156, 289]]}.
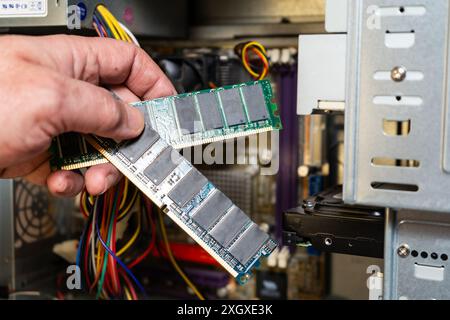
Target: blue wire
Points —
{"points": [[80, 243], [94, 17], [104, 24], [141, 287], [79, 250]]}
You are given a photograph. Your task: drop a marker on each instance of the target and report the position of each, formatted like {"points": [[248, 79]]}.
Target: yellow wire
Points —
{"points": [[83, 202], [124, 35], [111, 26], [114, 25], [127, 294], [246, 65], [130, 205], [125, 193], [256, 44], [133, 238], [173, 261]]}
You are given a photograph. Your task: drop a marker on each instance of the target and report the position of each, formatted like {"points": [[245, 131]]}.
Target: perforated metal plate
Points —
{"points": [[422, 273], [414, 168]]}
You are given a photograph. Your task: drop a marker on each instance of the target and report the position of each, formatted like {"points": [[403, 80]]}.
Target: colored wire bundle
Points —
{"points": [[105, 260], [174, 262], [107, 26], [253, 51]]}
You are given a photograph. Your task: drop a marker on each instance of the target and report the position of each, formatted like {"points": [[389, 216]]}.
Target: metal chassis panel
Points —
{"points": [[428, 139]]}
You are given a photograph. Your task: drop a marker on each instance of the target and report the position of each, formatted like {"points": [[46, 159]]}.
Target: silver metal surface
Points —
{"points": [[428, 237], [423, 102], [7, 234], [57, 16], [376, 286]]}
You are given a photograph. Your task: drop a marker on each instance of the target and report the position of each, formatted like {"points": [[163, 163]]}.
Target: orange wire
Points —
{"points": [[261, 75], [264, 60]]}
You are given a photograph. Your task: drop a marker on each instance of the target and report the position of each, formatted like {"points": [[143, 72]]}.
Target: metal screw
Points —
{"points": [[309, 204], [398, 74], [403, 251]]}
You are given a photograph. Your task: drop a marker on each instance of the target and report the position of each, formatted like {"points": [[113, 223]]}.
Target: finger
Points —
{"points": [[86, 108], [124, 93], [62, 105], [65, 183], [101, 177], [101, 61], [39, 175], [27, 168], [96, 176]]}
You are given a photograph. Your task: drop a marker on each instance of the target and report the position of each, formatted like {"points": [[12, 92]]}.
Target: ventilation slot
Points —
{"points": [[396, 128], [389, 162], [394, 186], [399, 40], [401, 11], [410, 76], [398, 100]]}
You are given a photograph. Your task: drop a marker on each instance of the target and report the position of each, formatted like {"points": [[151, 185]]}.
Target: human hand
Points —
{"points": [[51, 85]]}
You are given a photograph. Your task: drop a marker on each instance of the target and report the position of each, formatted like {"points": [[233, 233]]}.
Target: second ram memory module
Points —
{"points": [[190, 200], [187, 120]]}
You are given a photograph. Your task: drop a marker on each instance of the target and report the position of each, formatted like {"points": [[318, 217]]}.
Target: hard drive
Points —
{"points": [[329, 225]]}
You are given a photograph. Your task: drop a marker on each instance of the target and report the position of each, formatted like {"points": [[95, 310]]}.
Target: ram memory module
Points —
{"points": [[189, 199], [187, 120]]}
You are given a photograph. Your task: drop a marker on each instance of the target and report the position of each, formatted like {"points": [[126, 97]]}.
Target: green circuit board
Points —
{"points": [[187, 120]]}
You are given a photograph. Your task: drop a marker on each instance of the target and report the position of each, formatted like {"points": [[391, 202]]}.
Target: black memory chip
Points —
{"points": [[163, 165], [229, 226], [188, 117], [256, 103], [233, 107], [247, 245], [134, 149], [209, 109], [189, 186], [212, 210], [70, 145]]}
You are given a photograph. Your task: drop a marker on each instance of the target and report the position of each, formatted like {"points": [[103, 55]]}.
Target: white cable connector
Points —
{"points": [[67, 250], [283, 258], [272, 259]]}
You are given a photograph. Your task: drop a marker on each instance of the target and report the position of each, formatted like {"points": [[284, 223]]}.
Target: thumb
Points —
{"points": [[88, 108]]}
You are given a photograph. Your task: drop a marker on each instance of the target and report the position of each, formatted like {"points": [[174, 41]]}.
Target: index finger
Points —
{"points": [[100, 61]]}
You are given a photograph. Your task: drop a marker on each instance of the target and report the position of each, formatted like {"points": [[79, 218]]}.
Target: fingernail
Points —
{"points": [[135, 120]]}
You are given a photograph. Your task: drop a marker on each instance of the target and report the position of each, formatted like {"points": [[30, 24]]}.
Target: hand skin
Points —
{"points": [[53, 84]]}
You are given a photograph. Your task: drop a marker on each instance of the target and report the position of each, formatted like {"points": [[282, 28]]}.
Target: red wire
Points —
{"points": [[261, 56], [107, 285], [114, 272], [103, 221], [86, 256], [263, 59], [152, 241], [86, 214], [129, 284]]}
